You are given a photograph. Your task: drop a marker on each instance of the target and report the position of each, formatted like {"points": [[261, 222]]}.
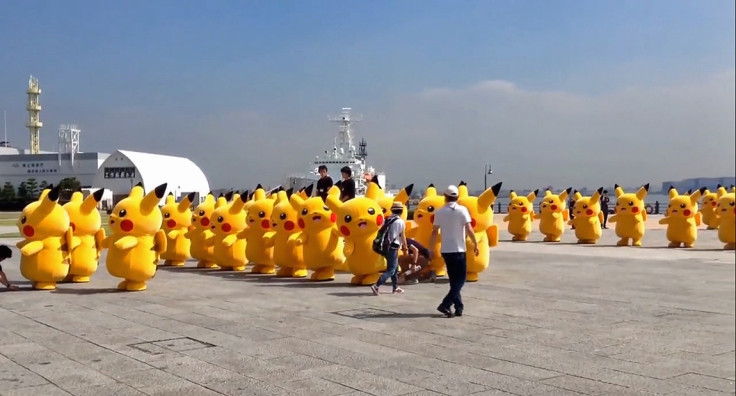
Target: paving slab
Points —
{"points": [[544, 319]]}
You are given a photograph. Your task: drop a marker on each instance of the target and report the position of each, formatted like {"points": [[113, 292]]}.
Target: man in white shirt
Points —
{"points": [[455, 222]]}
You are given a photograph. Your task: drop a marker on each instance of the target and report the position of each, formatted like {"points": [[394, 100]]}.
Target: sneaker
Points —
{"points": [[412, 281], [398, 290], [374, 289], [432, 277], [445, 311], [458, 313]]}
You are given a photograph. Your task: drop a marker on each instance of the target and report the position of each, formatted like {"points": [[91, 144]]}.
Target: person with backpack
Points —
{"points": [[392, 239]]}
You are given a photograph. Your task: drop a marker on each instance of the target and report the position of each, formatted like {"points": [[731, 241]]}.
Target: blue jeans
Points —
{"points": [[392, 269], [457, 272]]}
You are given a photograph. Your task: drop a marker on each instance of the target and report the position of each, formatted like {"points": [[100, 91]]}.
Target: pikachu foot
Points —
{"points": [[80, 279], [356, 280], [299, 273], [135, 286], [67, 279], [370, 279], [342, 268], [240, 268], [729, 246], [519, 238], [174, 263], [284, 272], [673, 245], [123, 285], [441, 271], [636, 243], [206, 264], [551, 239], [323, 274], [44, 286], [688, 245], [263, 269], [586, 242], [471, 277], [623, 242]]}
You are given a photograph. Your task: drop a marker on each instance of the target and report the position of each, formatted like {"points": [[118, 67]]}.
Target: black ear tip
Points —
{"points": [[191, 196], [600, 190], [409, 189], [462, 183], [646, 186], [160, 190], [496, 188], [430, 185], [615, 186], [568, 190], [702, 190], [140, 184], [510, 191], [98, 194], [671, 188], [54, 194], [259, 186], [536, 191], [229, 195]]}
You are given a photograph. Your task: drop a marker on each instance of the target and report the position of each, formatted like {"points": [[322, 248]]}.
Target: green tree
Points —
{"points": [[7, 194], [32, 188], [23, 192], [44, 185]]}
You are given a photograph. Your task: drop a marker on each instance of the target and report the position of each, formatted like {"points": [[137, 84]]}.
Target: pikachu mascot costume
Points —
{"points": [[630, 216], [289, 258], [424, 221], [137, 241], [727, 218], [553, 215], [258, 221], [177, 220], [47, 241], [708, 209], [588, 217], [86, 224], [228, 220], [521, 215], [200, 234], [682, 218], [486, 233]]}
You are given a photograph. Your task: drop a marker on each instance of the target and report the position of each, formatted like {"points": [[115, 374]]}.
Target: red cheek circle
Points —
{"points": [[126, 225], [226, 227], [289, 225], [28, 231], [431, 219], [171, 223], [553, 207], [265, 224], [205, 222], [473, 222], [635, 209], [687, 212], [345, 231], [301, 224], [713, 204], [379, 220], [589, 212], [73, 226], [524, 209], [333, 217]]}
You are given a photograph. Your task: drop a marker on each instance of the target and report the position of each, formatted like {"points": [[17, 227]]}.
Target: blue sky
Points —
{"points": [[136, 72]]}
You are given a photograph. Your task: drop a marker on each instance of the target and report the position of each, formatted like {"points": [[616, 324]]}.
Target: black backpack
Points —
{"points": [[381, 244]]}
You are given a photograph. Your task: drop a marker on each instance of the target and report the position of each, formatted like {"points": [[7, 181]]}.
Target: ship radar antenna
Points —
{"points": [[34, 114]]}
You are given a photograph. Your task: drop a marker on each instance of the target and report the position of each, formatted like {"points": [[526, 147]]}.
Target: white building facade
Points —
{"points": [[17, 167]]}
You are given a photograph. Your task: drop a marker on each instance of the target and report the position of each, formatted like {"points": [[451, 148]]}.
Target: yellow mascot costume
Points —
{"points": [[289, 258], [520, 215], [588, 217], [682, 218], [47, 241], [137, 241], [358, 220], [321, 242], [727, 218], [200, 234], [486, 233], [228, 220], [630, 215], [424, 221], [177, 220], [258, 223], [553, 215], [708, 209], [86, 224]]}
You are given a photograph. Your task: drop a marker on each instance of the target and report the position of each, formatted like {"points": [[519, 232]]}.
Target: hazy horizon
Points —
{"points": [[566, 93]]}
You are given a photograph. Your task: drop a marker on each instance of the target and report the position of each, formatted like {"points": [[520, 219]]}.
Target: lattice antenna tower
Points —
{"points": [[69, 141], [34, 114]]}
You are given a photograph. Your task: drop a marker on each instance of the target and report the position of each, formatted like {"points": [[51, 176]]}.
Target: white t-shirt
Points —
{"points": [[451, 219]]}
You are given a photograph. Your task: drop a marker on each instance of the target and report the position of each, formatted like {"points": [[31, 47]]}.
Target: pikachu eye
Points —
{"points": [[430, 209], [348, 218], [631, 203], [305, 211], [683, 206], [282, 216], [122, 213], [325, 208], [383, 210], [585, 206], [551, 201], [731, 203], [23, 220], [167, 215], [261, 214], [201, 212], [220, 219], [371, 211]]}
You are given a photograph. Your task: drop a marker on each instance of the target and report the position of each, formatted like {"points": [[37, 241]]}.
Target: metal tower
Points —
{"points": [[68, 141], [34, 114]]}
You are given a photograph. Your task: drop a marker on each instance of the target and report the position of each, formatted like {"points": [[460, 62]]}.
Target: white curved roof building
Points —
{"points": [[124, 169]]}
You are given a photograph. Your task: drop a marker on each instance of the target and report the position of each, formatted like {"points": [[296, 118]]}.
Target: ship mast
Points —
{"points": [[344, 140]]}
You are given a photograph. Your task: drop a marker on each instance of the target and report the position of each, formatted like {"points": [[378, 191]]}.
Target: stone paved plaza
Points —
{"points": [[543, 320]]}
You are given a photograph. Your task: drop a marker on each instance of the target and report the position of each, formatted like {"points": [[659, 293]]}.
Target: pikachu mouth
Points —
{"points": [[362, 224], [316, 218]]}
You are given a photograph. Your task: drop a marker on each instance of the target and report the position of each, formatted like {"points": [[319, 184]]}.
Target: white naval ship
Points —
{"points": [[343, 153]]}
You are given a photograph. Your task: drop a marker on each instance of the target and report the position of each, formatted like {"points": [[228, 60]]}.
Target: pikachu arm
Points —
{"points": [[531, 216], [408, 226], [173, 234], [99, 239], [716, 222], [644, 215], [209, 238], [600, 217], [76, 241], [336, 232], [492, 234], [31, 248], [189, 231], [127, 242], [612, 219], [556, 215], [664, 220], [269, 238], [229, 240], [106, 242], [698, 218], [71, 240], [349, 248], [296, 239], [565, 215], [526, 217], [159, 242], [571, 222], [506, 218]]}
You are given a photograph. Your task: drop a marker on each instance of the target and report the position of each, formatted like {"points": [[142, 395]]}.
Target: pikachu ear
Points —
{"points": [[333, 202], [532, 195], [618, 190], [596, 196], [296, 200], [695, 197], [564, 194], [462, 190], [431, 191], [512, 194], [673, 192], [150, 201], [577, 196], [170, 198], [488, 197], [547, 193], [642, 193], [373, 191], [404, 194], [237, 204], [90, 203], [186, 202]]}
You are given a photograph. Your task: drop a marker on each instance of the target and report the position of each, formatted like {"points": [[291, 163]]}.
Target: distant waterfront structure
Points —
{"points": [[710, 183]]}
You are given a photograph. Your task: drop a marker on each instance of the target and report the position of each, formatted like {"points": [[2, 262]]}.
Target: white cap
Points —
{"points": [[451, 191]]}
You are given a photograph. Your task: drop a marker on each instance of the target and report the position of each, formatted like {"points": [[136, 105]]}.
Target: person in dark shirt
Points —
{"points": [[604, 207], [347, 184], [415, 265], [5, 253], [324, 183]]}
